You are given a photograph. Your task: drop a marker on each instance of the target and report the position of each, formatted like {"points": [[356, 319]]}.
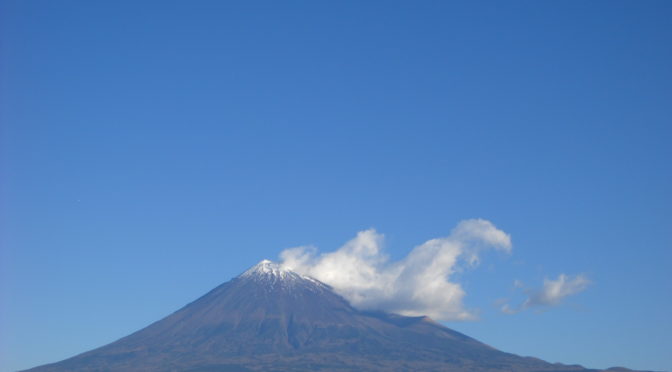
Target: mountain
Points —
{"points": [[273, 319]]}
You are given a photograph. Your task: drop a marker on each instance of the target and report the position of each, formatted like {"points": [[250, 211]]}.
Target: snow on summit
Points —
{"points": [[270, 273], [266, 267]]}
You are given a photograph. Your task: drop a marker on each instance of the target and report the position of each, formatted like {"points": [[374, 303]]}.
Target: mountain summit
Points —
{"points": [[270, 318], [269, 269], [271, 274]]}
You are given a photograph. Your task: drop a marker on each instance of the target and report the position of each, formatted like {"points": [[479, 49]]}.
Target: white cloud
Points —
{"points": [[419, 284], [552, 293]]}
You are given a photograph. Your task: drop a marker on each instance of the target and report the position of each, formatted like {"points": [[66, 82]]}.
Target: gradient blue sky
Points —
{"points": [[154, 149]]}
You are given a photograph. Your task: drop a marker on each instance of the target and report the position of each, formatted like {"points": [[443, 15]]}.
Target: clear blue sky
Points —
{"points": [[153, 149]]}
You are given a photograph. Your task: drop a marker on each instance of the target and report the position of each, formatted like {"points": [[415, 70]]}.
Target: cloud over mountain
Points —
{"points": [[419, 284]]}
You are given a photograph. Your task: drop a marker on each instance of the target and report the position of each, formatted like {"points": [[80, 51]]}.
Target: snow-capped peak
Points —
{"points": [[267, 267], [270, 273]]}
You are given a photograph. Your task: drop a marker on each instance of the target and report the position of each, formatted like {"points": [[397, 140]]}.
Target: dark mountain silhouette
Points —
{"points": [[273, 319]]}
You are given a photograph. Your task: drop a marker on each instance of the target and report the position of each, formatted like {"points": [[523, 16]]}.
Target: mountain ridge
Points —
{"points": [[271, 318]]}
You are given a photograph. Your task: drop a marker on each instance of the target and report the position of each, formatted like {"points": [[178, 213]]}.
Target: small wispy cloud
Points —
{"points": [[419, 284], [552, 293]]}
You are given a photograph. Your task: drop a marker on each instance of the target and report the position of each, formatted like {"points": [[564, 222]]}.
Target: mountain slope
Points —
{"points": [[273, 319]]}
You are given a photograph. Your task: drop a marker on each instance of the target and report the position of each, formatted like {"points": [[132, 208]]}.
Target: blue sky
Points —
{"points": [[151, 150]]}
